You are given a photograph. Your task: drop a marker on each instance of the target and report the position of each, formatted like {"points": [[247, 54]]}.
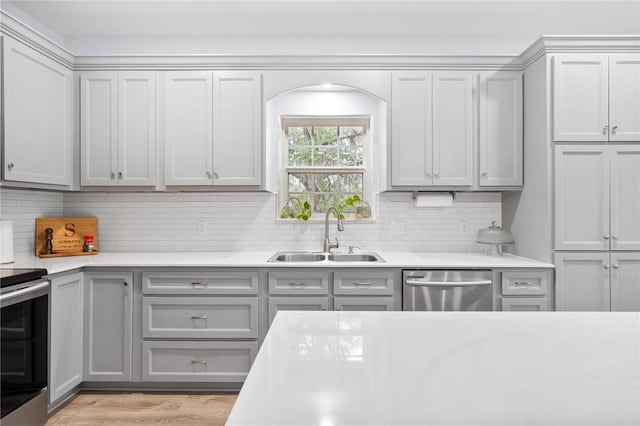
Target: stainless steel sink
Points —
{"points": [[320, 257], [298, 257], [355, 257]]}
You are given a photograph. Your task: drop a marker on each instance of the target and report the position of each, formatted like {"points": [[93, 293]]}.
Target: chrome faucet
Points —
{"points": [[328, 245]]}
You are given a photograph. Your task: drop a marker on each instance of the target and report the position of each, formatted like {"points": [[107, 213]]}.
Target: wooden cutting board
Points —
{"points": [[68, 235]]}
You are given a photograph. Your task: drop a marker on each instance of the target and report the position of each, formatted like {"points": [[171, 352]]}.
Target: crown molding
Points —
{"points": [[12, 27], [579, 43], [369, 62]]}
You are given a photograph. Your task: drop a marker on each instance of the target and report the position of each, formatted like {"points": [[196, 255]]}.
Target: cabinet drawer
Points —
{"points": [[525, 304], [200, 317], [524, 283], [211, 282], [296, 304], [197, 361], [293, 283], [363, 303], [375, 283]]}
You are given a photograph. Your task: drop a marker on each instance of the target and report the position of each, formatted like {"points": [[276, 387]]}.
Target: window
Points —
{"points": [[325, 159]]}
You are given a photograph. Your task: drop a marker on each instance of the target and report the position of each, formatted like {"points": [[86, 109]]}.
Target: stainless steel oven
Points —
{"points": [[447, 290], [24, 331]]}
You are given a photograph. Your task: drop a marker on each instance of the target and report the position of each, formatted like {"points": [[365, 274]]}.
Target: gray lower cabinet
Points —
{"points": [[108, 326], [199, 325], [303, 282], [525, 290], [296, 304], [362, 282], [65, 371], [208, 361], [346, 303]]}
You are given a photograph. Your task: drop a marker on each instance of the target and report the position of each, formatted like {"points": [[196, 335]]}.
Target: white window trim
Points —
{"points": [[365, 169]]}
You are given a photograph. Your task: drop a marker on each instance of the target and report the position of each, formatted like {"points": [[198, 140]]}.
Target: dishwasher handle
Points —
{"points": [[420, 283]]}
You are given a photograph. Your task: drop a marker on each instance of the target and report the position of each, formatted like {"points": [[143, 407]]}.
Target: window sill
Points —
{"points": [[320, 219]]}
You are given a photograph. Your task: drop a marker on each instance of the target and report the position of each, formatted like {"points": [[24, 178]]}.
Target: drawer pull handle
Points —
{"points": [[198, 284], [199, 361], [297, 283], [362, 283], [523, 283], [197, 317]]}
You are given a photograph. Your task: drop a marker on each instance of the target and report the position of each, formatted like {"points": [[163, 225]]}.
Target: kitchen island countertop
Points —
{"points": [[445, 368], [251, 259]]}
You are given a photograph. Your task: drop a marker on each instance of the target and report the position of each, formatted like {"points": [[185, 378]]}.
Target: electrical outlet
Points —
{"points": [[464, 227], [202, 227], [397, 229]]}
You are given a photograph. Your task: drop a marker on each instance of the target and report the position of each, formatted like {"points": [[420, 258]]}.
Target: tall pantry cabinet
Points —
{"points": [[596, 150]]}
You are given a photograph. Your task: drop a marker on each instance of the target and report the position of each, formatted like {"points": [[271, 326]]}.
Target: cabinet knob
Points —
{"points": [[615, 237], [125, 283], [436, 174], [616, 266], [427, 174], [209, 174], [10, 166], [605, 130], [606, 237], [484, 173], [119, 175], [215, 175], [613, 130], [606, 266], [113, 175]]}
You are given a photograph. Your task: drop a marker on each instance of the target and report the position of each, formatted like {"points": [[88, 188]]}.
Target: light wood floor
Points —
{"points": [[145, 408]]}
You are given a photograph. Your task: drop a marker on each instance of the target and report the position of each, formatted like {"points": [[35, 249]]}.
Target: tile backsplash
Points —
{"points": [[130, 222]]}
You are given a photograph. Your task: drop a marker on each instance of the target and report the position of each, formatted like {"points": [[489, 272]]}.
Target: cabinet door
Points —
{"points": [[296, 304], [625, 282], [107, 332], [581, 197], [99, 128], [188, 128], [452, 128], [501, 131], [66, 335], [38, 119], [580, 98], [136, 129], [237, 128], [625, 197], [411, 131], [363, 303], [582, 281], [624, 97]]}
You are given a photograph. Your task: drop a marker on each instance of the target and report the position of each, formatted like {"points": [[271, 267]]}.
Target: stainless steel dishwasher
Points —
{"points": [[447, 290]]}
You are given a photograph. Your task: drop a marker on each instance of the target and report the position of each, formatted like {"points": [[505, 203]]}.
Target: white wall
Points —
{"points": [[132, 222]]}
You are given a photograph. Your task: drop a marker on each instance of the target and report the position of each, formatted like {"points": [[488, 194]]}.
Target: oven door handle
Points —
{"points": [[37, 289], [419, 283]]}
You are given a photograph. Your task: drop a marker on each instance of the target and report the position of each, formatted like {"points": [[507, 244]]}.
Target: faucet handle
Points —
{"points": [[351, 249], [337, 243]]}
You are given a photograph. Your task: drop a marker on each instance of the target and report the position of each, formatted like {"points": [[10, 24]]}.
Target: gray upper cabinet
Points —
{"points": [[213, 128], [38, 117], [108, 326], [501, 129], [118, 121], [67, 303], [432, 129], [596, 97]]}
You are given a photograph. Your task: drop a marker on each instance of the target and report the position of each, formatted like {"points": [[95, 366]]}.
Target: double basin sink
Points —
{"points": [[287, 257]]}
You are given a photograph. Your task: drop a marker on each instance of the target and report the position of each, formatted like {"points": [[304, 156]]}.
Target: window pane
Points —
{"points": [[352, 183], [351, 135], [300, 157], [326, 157], [299, 183], [325, 135], [328, 183], [324, 201], [299, 135], [351, 156]]}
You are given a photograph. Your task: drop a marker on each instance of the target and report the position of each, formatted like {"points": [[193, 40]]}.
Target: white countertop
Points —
{"points": [[445, 368], [259, 260]]}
